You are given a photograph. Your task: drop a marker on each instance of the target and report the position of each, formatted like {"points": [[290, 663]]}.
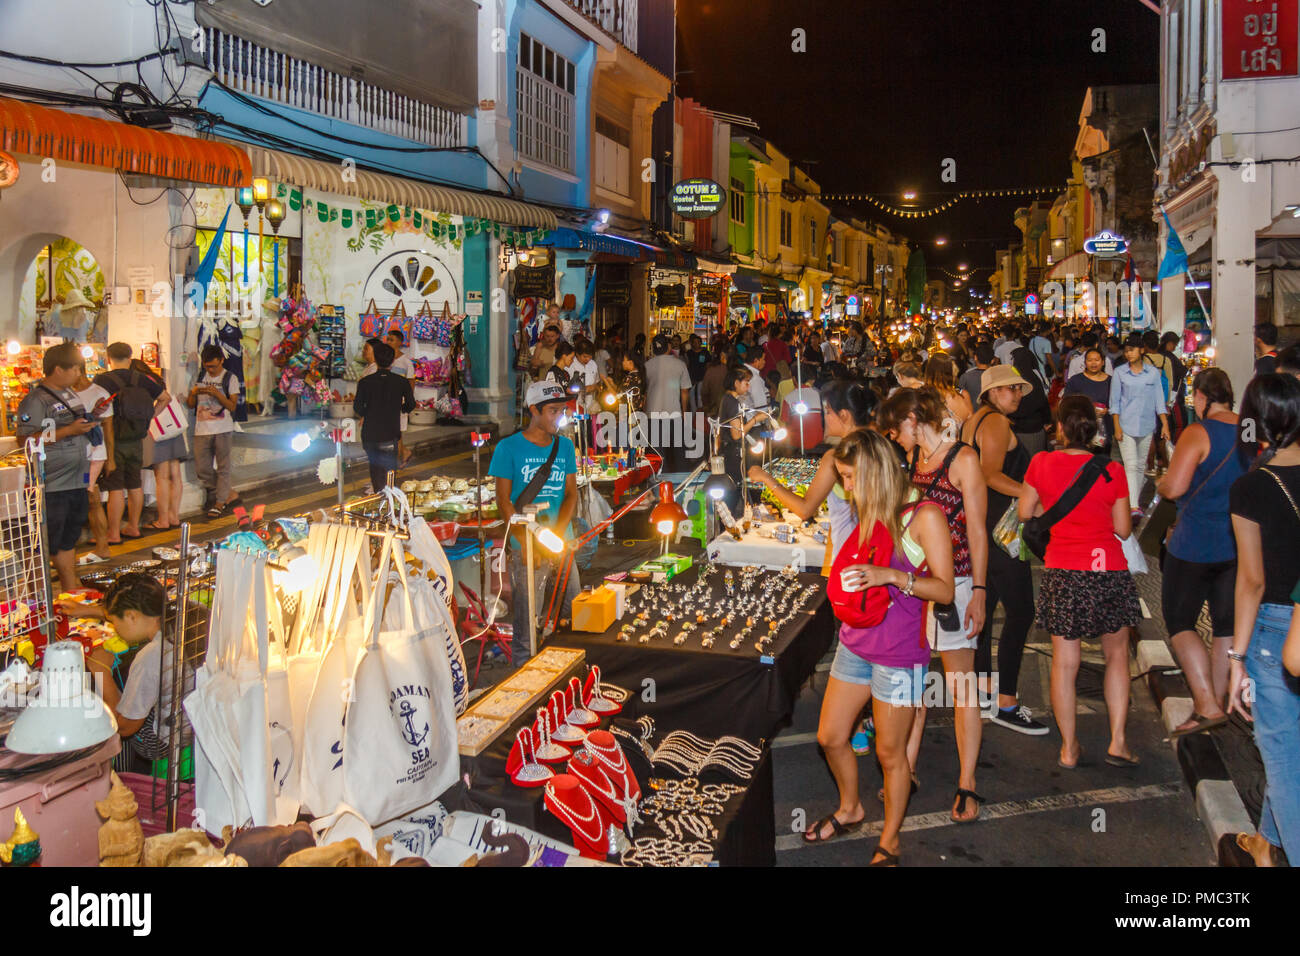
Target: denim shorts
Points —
{"points": [[900, 686]]}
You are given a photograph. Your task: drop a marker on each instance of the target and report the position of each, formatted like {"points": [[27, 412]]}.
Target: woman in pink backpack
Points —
{"points": [[899, 559]]}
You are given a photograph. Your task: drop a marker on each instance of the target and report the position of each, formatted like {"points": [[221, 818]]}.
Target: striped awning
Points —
{"points": [[47, 132], [379, 187]]}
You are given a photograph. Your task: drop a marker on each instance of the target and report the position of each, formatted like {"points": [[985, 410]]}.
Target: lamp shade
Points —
{"points": [[66, 715], [261, 190], [275, 213], [717, 487], [244, 200], [666, 515]]}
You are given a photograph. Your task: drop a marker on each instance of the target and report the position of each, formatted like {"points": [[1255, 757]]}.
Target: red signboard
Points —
{"points": [[1260, 39]]}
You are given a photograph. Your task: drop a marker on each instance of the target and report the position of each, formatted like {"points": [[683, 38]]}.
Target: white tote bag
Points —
{"points": [[424, 545], [251, 715], [332, 690], [228, 707], [170, 422], [399, 747], [216, 757]]}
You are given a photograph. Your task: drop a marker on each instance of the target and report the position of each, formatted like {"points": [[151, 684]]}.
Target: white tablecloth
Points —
{"points": [[757, 546]]}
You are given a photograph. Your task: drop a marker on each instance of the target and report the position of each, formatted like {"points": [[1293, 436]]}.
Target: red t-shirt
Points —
{"points": [[1084, 540], [777, 352]]}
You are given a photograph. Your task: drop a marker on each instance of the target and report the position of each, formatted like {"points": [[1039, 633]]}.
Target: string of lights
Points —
{"points": [[906, 212]]}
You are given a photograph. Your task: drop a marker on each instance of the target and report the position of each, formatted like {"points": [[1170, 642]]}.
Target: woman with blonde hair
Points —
{"points": [[941, 375], [899, 559], [947, 472]]}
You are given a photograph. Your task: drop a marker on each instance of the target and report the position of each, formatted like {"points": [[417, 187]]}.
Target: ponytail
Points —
{"points": [[846, 395]]}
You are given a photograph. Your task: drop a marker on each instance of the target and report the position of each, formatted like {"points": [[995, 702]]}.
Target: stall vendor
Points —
{"points": [[537, 452], [134, 605]]}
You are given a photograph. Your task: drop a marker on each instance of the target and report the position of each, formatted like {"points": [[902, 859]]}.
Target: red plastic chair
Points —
{"points": [[474, 625]]}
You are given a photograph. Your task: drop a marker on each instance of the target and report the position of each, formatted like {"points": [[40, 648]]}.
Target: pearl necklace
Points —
{"points": [[572, 818], [619, 766]]}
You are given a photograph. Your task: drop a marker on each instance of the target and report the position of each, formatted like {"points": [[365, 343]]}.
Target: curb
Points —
{"points": [[358, 467], [1218, 803]]}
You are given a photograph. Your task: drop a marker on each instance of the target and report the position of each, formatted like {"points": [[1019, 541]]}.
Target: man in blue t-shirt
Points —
{"points": [[516, 460]]}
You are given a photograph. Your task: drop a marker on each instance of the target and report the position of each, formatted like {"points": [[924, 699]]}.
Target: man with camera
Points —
{"points": [[51, 413]]}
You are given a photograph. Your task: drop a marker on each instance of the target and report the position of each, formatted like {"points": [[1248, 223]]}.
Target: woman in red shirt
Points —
{"points": [[1087, 592]]}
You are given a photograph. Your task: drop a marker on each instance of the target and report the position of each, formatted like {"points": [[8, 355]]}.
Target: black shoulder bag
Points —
{"points": [[1037, 532], [534, 486]]}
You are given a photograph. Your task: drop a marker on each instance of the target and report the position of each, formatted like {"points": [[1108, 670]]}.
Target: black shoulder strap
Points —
{"points": [[974, 436], [1092, 469], [44, 388], [534, 486]]}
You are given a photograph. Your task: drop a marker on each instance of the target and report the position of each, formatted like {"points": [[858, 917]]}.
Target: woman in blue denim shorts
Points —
{"points": [[1268, 566], [886, 661]]}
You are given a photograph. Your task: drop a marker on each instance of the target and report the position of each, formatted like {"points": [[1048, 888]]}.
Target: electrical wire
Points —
{"points": [[46, 61], [50, 763]]}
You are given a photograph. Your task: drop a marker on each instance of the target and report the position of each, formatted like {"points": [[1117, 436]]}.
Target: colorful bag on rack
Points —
{"points": [[422, 325], [371, 322], [399, 321], [443, 327]]}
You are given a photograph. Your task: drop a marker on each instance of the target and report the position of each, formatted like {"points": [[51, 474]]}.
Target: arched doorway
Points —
{"points": [[47, 273]]}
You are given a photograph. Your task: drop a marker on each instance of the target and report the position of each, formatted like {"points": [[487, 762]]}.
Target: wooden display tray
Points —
{"points": [[526, 704]]}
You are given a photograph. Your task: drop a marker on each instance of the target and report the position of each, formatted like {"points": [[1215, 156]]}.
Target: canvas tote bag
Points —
{"points": [[341, 634], [399, 747]]}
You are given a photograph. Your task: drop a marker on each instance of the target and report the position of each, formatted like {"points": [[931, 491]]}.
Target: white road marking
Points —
{"points": [[1001, 811]]}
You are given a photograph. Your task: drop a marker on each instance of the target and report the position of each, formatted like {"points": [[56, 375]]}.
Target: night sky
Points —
{"points": [[887, 91]]}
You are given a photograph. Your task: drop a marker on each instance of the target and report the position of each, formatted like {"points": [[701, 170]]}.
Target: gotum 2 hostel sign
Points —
{"points": [[697, 198]]}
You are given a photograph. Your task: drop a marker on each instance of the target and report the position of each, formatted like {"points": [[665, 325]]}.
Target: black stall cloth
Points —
{"points": [[716, 691], [746, 828]]}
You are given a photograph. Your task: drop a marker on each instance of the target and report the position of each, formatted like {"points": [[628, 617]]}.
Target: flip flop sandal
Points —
{"points": [[131, 536], [962, 796], [889, 859], [216, 511], [837, 829], [1113, 760], [1201, 724], [159, 527]]}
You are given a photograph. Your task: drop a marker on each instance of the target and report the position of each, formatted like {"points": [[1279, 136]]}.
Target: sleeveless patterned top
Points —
{"points": [[946, 496]]}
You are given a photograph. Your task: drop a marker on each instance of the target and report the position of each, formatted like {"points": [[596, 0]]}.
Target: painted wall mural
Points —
{"points": [[74, 268]]}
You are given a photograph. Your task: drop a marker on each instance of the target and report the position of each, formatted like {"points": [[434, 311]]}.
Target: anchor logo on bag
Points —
{"points": [[409, 733]]}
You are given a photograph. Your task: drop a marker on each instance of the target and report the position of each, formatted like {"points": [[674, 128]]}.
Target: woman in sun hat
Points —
{"points": [[1004, 461]]}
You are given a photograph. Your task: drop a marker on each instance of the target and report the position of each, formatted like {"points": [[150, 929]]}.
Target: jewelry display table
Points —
{"points": [[716, 690]]}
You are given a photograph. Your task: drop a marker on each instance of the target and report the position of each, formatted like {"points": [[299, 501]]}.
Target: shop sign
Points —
{"points": [[770, 297], [697, 198], [1106, 245], [534, 282], [1259, 39], [708, 293], [614, 293], [668, 296]]}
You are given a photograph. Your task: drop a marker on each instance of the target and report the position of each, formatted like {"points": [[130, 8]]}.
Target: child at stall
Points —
{"points": [[134, 606]]}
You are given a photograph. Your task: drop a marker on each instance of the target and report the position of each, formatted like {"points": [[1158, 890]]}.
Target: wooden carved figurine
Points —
{"points": [[121, 841]]}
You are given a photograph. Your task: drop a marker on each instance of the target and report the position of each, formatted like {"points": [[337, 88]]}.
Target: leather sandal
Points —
{"points": [[1202, 723], [962, 796], [814, 834], [889, 859]]}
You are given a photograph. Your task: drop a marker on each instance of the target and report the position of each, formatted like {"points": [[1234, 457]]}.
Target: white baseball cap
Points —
{"points": [[544, 393]]}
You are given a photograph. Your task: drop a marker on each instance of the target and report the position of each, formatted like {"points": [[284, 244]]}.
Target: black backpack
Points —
{"points": [[132, 407]]}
